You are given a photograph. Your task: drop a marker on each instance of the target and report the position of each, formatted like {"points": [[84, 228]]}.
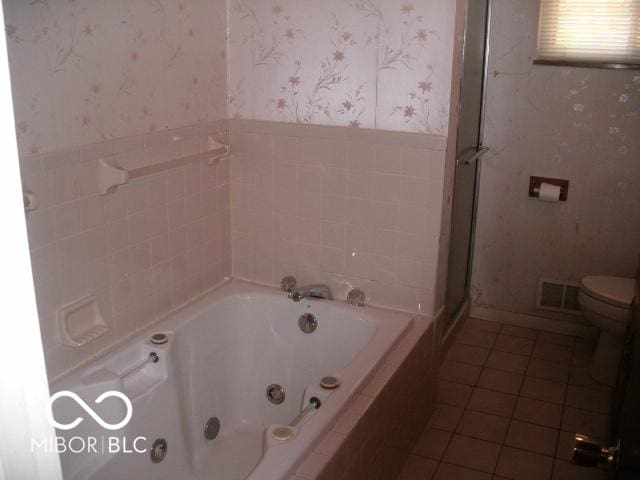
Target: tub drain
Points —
{"points": [[330, 382]]}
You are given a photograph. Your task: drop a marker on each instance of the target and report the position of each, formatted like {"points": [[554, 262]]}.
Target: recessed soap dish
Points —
{"points": [[81, 322]]}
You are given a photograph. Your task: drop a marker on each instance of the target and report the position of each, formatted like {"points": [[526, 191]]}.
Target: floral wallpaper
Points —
{"points": [[581, 124], [88, 70], [362, 63]]}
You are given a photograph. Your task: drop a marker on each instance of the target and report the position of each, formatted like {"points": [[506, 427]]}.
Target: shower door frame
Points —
{"points": [[452, 319]]}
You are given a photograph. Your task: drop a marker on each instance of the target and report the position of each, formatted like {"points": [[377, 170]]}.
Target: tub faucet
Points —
{"points": [[318, 290]]}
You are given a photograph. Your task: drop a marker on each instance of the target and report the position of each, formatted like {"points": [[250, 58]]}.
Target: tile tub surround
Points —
{"points": [[145, 249], [376, 434], [509, 400], [346, 207]]}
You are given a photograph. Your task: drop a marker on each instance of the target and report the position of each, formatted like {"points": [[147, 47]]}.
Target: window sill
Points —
{"points": [[588, 64]]}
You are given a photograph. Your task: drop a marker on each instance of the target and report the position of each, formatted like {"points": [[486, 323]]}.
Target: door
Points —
{"points": [[468, 151], [24, 390]]}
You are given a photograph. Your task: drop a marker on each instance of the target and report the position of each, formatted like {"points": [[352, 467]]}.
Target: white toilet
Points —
{"points": [[606, 303]]}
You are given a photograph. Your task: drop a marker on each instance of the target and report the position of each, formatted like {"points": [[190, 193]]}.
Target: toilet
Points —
{"points": [[606, 304]]}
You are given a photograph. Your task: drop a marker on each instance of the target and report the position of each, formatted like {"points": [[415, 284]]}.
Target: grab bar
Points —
{"points": [[211, 155], [109, 177], [314, 404], [152, 358]]}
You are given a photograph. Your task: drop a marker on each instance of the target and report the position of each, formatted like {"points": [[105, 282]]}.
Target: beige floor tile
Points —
{"points": [[446, 417], [468, 354], [459, 372], [580, 377], [418, 468], [564, 450], [432, 443], [454, 394], [483, 325], [539, 368], [588, 399], [567, 471], [556, 338], [533, 438], [511, 344], [539, 412], [583, 353], [522, 465], [553, 352], [509, 362], [541, 389], [483, 426], [476, 337], [472, 453], [593, 424], [516, 331], [494, 403], [447, 471], [501, 381]]}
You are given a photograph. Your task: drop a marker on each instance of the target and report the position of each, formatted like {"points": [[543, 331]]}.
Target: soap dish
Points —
{"points": [[81, 322]]}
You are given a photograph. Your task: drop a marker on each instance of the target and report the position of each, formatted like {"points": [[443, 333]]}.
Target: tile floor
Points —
{"points": [[509, 400]]}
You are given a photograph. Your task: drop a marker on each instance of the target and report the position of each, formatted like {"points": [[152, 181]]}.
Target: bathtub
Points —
{"points": [[222, 352]]}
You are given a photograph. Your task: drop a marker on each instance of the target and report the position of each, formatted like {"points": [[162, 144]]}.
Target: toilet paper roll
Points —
{"points": [[549, 193]]}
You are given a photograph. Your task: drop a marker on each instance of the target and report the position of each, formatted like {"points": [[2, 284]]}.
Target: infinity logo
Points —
{"points": [[89, 410]]}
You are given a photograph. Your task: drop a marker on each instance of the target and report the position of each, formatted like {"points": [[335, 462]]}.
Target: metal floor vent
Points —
{"points": [[558, 296]]}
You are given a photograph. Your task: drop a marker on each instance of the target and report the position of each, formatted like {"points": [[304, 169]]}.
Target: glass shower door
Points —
{"points": [[468, 151]]}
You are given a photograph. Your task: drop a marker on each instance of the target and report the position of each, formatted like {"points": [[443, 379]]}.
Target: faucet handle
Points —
{"points": [[288, 283]]}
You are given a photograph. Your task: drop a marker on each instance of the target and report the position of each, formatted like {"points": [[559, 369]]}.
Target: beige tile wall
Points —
{"points": [[143, 250], [347, 207]]}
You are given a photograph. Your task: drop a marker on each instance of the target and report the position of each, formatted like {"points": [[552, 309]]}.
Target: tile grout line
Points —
{"points": [[484, 366], [524, 376], [464, 409], [564, 405]]}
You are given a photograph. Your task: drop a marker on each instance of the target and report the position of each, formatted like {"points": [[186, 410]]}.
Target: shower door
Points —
{"points": [[469, 150]]}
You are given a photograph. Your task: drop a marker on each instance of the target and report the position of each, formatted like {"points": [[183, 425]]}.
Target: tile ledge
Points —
{"points": [[429, 141]]}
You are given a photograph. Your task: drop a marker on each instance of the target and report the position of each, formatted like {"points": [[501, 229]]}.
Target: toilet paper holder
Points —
{"points": [[535, 182]]}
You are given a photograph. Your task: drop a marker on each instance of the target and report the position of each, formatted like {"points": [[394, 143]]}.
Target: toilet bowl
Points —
{"points": [[606, 303]]}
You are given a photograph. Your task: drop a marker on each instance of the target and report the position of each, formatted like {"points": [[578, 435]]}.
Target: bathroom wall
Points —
{"points": [[351, 207], [86, 71], [347, 207], [144, 82], [574, 123], [382, 64], [136, 83]]}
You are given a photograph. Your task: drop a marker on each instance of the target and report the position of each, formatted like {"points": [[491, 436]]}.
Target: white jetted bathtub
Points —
{"points": [[212, 376]]}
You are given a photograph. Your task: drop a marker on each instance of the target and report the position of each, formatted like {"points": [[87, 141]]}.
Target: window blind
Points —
{"points": [[589, 31]]}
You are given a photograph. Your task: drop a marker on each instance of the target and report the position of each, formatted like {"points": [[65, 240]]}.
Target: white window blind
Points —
{"points": [[589, 31]]}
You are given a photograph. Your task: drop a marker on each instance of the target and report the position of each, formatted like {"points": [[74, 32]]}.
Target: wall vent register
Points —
{"points": [[558, 296]]}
